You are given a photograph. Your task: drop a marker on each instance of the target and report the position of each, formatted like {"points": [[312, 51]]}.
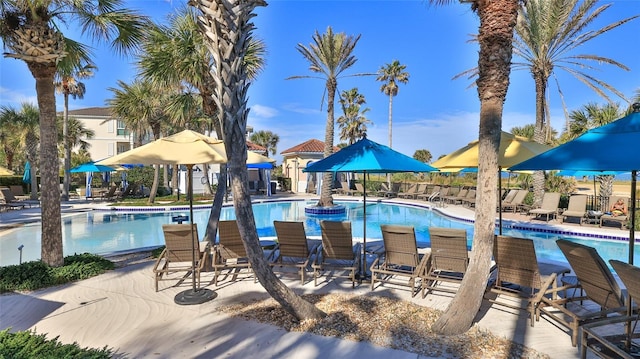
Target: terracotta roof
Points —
{"points": [[91, 111], [255, 147], [310, 146]]}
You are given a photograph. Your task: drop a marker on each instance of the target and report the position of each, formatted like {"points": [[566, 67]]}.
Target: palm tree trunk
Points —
{"points": [[326, 199], [390, 133], [540, 134], [495, 36], [67, 149], [51, 248], [226, 26]]}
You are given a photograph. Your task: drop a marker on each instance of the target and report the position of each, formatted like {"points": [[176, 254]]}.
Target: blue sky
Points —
{"points": [[431, 112]]}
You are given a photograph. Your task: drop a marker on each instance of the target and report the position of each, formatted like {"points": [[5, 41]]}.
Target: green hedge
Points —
{"points": [[28, 344], [34, 275]]}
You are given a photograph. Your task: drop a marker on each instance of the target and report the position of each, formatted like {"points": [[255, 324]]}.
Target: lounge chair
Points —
{"points": [[622, 219], [229, 253], [110, 194], [410, 192], [359, 189], [508, 198], [393, 191], [177, 257], [616, 342], [294, 249], [428, 194], [18, 193], [337, 252], [519, 275], [548, 207], [470, 199], [449, 259], [439, 196], [401, 259], [384, 188], [597, 285], [516, 202], [12, 202], [577, 208], [458, 197]]}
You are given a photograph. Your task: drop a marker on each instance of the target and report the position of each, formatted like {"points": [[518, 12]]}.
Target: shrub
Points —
{"points": [[28, 344], [36, 274]]}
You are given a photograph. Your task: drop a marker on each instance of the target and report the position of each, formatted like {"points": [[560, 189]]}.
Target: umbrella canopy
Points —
{"points": [[612, 147], [366, 156], [186, 147], [5, 171], [91, 167], [370, 157], [26, 177], [513, 149]]}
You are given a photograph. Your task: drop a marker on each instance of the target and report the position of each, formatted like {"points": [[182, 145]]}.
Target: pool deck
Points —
{"points": [[91, 312]]}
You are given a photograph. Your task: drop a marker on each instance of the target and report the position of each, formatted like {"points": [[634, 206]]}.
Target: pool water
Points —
{"points": [[105, 232]]}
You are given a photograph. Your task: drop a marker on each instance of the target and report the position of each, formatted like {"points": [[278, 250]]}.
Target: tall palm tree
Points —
{"points": [[228, 30], [77, 133], [24, 124], [142, 105], [353, 122], [330, 55], [30, 31], [495, 38], [177, 54], [266, 139], [548, 34], [68, 84], [391, 75], [588, 117]]}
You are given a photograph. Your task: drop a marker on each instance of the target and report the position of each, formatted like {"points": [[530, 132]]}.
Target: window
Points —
{"points": [[122, 130], [123, 147]]}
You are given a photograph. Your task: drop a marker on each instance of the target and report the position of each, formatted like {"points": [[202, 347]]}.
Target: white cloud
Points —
{"points": [[263, 111], [10, 97]]}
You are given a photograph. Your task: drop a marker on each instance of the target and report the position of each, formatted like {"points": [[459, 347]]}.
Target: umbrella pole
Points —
{"points": [[500, 199], [193, 295], [364, 232], [632, 241]]}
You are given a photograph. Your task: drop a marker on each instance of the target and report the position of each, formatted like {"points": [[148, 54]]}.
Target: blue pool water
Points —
{"points": [[104, 232]]}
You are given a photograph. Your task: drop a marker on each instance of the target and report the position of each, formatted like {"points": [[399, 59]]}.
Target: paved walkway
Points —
{"points": [[121, 310]]}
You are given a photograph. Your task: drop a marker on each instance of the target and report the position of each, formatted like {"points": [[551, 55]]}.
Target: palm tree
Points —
{"points": [[24, 124], [548, 33], [495, 38], [353, 122], [423, 156], [588, 117], [330, 55], [142, 106], [68, 85], [178, 54], [266, 139], [391, 75], [227, 27], [30, 31]]}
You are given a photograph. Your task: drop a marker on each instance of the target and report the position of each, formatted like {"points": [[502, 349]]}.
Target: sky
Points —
{"points": [[432, 111]]}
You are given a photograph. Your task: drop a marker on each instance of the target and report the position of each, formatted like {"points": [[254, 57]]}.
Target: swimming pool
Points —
{"points": [[110, 231]]}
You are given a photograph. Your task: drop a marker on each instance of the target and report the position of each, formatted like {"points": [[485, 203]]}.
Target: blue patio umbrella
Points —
{"points": [[91, 167], [612, 147], [366, 156], [26, 177]]}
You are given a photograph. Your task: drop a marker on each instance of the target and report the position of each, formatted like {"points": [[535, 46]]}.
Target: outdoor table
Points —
{"points": [[593, 217]]}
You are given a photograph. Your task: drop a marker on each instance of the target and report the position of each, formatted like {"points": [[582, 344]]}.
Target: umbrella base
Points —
{"points": [[191, 297]]}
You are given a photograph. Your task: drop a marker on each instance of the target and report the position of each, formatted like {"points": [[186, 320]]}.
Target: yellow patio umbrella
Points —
{"points": [[513, 150], [5, 171], [186, 148]]}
